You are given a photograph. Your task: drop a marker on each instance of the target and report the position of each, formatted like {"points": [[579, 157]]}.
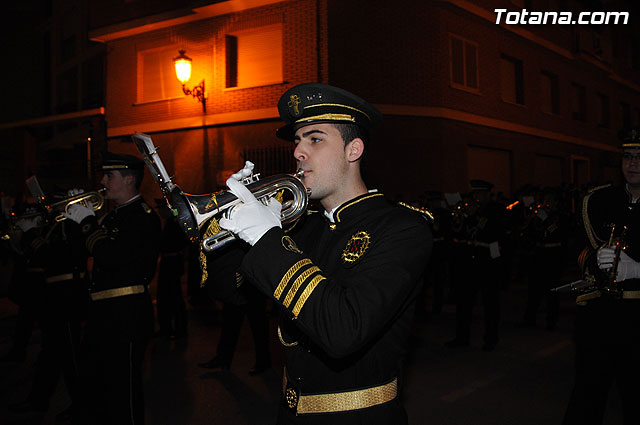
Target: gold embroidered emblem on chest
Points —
{"points": [[356, 247]]}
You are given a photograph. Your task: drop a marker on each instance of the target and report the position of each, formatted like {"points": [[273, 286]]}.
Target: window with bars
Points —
{"points": [[271, 160]]}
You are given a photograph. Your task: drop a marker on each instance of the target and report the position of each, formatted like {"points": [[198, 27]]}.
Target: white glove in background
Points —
{"points": [[627, 267], [251, 219], [79, 212], [26, 224], [74, 192]]}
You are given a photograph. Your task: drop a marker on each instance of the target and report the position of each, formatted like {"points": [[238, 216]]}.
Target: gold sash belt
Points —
{"points": [[633, 295], [549, 245], [117, 292], [340, 402], [61, 277], [626, 295]]}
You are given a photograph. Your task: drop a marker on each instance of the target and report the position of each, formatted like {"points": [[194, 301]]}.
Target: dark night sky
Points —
{"points": [[24, 65]]}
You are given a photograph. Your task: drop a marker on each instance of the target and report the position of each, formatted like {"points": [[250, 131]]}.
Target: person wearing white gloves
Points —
{"points": [[607, 335], [124, 246], [345, 279]]}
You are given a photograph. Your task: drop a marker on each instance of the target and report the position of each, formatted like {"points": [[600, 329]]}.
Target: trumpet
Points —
{"points": [[59, 208], [198, 214]]}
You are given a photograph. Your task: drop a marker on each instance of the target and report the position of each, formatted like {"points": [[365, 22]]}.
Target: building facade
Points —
{"points": [[463, 97]]}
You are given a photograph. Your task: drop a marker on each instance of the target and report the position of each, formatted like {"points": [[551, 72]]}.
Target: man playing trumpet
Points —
{"points": [[124, 246], [347, 280], [607, 334]]}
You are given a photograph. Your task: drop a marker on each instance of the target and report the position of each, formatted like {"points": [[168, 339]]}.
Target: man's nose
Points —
{"points": [[299, 153]]}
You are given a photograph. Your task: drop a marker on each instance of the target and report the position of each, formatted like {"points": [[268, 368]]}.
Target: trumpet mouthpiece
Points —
{"points": [[102, 189], [299, 173]]}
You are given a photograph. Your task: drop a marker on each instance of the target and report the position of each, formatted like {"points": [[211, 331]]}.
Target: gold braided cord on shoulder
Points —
{"points": [[213, 229], [337, 213], [585, 217], [288, 275], [306, 294]]}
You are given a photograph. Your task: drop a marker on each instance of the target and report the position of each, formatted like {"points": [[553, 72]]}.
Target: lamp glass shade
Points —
{"points": [[183, 69]]}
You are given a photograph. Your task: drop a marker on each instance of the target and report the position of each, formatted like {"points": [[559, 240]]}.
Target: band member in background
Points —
{"points": [[479, 265], [56, 248], [347, 281], [547, 235], [607, 334], [239, 299], [124, 246], [172, 311]]}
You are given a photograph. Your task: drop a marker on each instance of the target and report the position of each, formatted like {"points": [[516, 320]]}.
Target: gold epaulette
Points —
{"points": [[585, 217], [424, 211]]}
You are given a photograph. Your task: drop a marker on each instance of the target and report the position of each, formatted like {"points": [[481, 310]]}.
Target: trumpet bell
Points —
{"points": [[60, 207], [195, 212]]}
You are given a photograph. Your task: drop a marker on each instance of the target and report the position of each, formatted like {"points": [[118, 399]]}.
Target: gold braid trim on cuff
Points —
{"points": [[298, 283], [306, 293], [288, 275]]}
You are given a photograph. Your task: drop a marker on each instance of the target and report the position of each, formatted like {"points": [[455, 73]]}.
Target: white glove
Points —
{"points": [[245, 172], [251, 219], [79, 212], [74, 192], [26, 224], [627, 267]]}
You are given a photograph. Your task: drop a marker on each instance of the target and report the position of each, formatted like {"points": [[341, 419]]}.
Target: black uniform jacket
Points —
{"points": [[348, 290], [608, 205], [610, 319], [125, 251]]}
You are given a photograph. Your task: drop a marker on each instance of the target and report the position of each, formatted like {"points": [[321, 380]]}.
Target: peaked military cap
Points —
{"points": [[478, 184], [112, 161], [630, 137], [309, 103]]}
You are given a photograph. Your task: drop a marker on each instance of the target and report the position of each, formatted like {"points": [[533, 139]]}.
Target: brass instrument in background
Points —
{"points": [[60, 207], [198, 215]]}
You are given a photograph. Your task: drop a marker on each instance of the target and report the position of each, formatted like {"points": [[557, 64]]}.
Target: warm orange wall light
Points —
{"points": [[182, 63]]}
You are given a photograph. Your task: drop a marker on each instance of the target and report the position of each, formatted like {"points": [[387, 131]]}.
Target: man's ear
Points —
{"points": [[355, 149], [129, 180]]}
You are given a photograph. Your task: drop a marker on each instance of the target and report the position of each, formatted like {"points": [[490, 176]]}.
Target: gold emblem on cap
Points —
{"points": [[290, 245], [294, 101], [356, 247]]}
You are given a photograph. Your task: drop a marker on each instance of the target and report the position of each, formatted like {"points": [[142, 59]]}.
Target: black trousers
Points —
{"points": [[607, 352], [172, 311], [232, 318], [487, 278], [544, 274], [111, 377]]}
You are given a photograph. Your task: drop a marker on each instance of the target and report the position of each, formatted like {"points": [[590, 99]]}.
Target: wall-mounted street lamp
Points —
{"points": [[182, 63]]}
